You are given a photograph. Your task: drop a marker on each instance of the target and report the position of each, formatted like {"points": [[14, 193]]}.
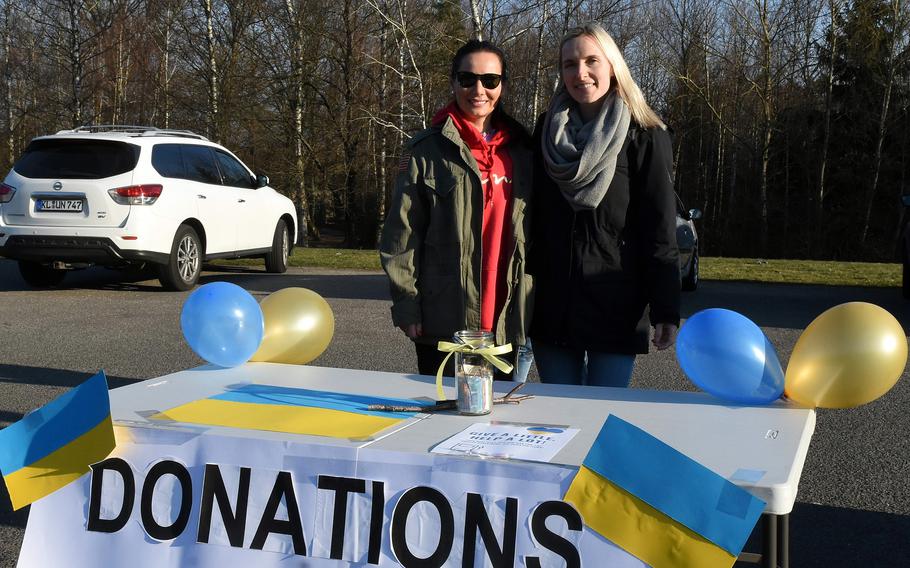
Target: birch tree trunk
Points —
{"points": [[821, 193], [349, 138], [381, 181], [418, 76], [296, 34], [212, 72], [166, 80], [476, 25], [767, 118], [883, 117], [8, 80], [120, 80], [539, 60], [76, 61], [719, 208], [402, 78]]}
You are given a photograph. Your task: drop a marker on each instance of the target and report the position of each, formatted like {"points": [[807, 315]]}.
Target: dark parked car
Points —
{"points": [[687, 240]]}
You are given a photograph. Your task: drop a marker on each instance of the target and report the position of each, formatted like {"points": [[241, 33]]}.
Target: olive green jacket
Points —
{"points": [[431, 240]]}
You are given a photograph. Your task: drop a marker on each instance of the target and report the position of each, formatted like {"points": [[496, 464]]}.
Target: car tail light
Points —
{"points": [[6, 193], [136, 194]]}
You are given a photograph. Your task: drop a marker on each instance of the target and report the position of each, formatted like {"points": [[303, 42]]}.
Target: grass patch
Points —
{"points": [[344, 259], [712, 268], [824, 272]]}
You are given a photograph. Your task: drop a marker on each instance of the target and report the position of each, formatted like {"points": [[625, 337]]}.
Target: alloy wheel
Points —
{"points": [[187, 258]]}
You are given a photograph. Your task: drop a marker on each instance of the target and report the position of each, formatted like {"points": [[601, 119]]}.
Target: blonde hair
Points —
{"points": [[628, 90]]}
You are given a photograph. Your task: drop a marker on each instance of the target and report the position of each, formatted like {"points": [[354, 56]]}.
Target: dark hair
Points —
{"points": [[474, 46], [516, 129]]}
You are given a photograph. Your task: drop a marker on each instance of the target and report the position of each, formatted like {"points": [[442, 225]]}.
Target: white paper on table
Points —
{"points": [[530, 442]]}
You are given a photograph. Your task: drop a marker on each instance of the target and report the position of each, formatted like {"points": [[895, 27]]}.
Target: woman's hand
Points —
{"points": [[412, 330], [664, 335]]}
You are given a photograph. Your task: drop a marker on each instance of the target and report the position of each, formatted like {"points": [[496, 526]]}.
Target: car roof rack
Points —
{"points": [[132, 129]]}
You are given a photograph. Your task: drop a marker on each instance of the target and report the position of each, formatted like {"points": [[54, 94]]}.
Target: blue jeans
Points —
{"points": [[568, 366], [524, 356]]}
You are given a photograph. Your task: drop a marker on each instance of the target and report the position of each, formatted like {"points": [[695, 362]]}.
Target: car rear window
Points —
{"points": [[168, 160], [76, 159]]}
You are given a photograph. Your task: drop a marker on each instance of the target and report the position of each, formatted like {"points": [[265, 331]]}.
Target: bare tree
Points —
{"points": [[167, 11], [296, 33], [762, 97], [535, 97], [8, 82], [834, 7], [897, 21], [476, 24], [212, 71]]}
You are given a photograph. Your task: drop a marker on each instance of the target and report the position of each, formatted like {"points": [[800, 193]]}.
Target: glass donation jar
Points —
{"points": [[474, 374]]}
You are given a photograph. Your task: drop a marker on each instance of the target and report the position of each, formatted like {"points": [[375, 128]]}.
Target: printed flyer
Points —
{"points": [[530, 442]]}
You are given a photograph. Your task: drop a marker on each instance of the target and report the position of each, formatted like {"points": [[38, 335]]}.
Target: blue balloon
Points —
{"points": [[222, 323], [725, 354]]}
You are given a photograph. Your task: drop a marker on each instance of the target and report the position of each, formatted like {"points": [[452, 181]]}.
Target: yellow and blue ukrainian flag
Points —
{"points": [[55, 444], [292, 410], [660, 505]]}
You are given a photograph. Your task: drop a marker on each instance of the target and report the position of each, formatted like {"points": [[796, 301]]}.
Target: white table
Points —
{"points": [[761, 448], [737, 442]]}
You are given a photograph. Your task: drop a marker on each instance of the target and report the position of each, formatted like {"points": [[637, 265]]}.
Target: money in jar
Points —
{"points": [[474, 374]]}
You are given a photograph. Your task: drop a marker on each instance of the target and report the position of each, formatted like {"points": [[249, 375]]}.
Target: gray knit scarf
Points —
{"points": [[581, 157]]}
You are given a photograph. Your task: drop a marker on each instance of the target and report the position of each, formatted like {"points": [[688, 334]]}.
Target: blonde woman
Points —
{"points": [[605, 221]]}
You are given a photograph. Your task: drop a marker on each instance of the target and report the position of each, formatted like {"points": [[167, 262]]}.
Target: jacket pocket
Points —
{"points": [[442, 183]]}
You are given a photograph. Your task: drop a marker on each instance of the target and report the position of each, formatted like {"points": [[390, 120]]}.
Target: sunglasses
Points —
{"points": [[466, 79]]}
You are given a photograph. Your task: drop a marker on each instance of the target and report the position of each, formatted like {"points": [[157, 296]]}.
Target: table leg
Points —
{"points": [[769, 542], [784, 540]]}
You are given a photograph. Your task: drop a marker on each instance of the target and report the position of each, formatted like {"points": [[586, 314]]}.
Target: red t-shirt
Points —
{"points": [[495, 166]]}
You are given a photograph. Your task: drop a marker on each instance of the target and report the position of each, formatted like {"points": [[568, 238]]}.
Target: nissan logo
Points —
{"points": [[58, 186]]}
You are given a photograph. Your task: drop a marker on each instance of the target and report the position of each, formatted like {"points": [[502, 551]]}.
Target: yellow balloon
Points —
{"points": [[849, 355], [298, 326]]}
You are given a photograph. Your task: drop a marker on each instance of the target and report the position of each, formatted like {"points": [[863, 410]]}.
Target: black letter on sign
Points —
{"points": [[284, 487], [446, 528], [151, 526], [551, 540], [377, 515], [476, 518], [95, 522], [213, 488], [341, 486]]}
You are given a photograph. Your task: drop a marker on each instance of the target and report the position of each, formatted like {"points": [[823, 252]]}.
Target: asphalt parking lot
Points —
{"points": [[853, 506]]}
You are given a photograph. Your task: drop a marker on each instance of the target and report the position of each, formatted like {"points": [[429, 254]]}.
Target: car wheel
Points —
{"points": [[38, 275], [690, 280], [185, 263], [277, 259]]}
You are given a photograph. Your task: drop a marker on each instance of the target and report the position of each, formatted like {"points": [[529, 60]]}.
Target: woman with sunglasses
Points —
{"points": [[453, 243], [605, 221]]}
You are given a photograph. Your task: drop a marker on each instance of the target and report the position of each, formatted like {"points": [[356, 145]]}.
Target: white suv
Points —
{"points": [[115, 196]]}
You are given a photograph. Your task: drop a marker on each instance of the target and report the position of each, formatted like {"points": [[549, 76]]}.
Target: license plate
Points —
{"points": [[65, 205]]}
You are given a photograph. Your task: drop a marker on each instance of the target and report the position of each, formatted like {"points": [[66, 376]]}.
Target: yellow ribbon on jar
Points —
{"points": [[488, 353]]}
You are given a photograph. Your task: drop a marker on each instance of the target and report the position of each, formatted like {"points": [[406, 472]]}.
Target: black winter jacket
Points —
{"points": [[597, 272]]}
